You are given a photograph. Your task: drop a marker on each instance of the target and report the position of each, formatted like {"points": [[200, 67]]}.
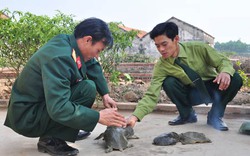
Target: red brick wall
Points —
{"points": [[141, 71]]}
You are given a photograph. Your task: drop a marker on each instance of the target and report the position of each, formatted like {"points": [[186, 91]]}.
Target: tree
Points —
{"points": [[110, 58], [24, 33], [233, 46]]}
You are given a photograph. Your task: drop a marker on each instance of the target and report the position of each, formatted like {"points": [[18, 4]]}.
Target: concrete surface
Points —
{"points": [[229, 143], [166, 107]]}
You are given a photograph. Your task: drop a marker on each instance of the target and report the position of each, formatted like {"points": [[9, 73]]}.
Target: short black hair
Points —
{"points": [[96, 28], [170, 29]]}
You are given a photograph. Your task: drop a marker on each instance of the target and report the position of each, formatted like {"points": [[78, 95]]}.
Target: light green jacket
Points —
{"points": [[201, 57]]}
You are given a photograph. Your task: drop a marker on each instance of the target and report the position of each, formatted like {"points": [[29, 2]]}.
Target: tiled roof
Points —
{"points": [[3, 16], [140, 34]]}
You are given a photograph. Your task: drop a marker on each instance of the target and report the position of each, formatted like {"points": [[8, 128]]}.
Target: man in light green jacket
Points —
{"points": [[216, 71], [53, 96]]}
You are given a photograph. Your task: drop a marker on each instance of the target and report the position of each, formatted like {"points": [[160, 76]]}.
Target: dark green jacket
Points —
{"points": [[42, 91]]}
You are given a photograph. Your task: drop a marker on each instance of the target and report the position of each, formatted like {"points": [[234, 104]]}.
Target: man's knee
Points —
{"points": [[170, 84], [89, 88], [90, 84], [83, 89], [236, 81]]}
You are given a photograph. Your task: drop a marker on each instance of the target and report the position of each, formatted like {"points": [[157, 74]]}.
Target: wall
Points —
{"points": [[143, 45], [141, 71], [188, 32]]}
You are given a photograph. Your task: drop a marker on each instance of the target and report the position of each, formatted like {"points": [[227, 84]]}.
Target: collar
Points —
{"points": [[80, 63], [182, 52], [75, 46]]}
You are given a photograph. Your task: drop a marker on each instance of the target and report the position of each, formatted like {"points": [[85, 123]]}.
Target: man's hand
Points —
{"points": [[110, 117], [108, 102], [223, 80], [131, 121]]}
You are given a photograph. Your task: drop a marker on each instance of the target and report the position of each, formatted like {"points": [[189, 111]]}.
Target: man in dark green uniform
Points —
{"points": [[53, 96], [215, 80]]}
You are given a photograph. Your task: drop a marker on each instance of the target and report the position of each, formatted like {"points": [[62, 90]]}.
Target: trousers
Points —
{"points": [[185, 96], [83, 93]]}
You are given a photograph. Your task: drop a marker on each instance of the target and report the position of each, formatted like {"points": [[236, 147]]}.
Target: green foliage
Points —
{"points": [[117, 75], [114, 77], [110, 58], [2, 62], [246, 80], [236, 46], [127, 77], [227, 53], [24, 33]]}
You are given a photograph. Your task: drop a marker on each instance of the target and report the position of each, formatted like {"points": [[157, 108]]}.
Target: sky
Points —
{"points": [[226, 20]]}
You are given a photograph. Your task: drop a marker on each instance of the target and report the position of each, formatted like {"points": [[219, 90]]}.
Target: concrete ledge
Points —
{"points": [[200, 109]]}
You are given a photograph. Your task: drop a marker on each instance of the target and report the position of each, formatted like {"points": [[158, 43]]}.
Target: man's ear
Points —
{"points": [[87, 38], [177, 38]]}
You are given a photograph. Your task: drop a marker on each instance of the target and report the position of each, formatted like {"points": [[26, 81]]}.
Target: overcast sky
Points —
{"points": [[224, 19]]}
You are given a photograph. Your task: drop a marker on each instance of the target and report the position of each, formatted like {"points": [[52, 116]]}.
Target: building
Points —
{"points": [[3, 16], [138, 43], [143, 44], [188, 32]]}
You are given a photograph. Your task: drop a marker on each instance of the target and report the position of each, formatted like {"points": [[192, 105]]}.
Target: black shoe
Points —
{"points": [[192, 118], [216, 123], [55, 147], [82, 135]]}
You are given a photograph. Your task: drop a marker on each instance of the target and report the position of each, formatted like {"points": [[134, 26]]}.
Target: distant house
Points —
{"points": [[187, 32], [142, 43], [3, 16], [139, 44]]}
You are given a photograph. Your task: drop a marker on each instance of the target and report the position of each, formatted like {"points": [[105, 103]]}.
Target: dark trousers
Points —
{"points": [[184, 97], [83, 93]]}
